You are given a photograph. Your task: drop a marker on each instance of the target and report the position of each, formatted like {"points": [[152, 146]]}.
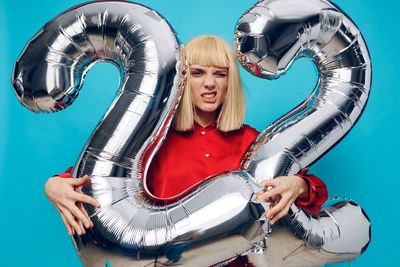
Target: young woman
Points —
{"points": [[207, 138]]}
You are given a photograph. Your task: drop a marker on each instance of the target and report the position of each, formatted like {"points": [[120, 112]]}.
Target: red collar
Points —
{"points": [[210, 127]]}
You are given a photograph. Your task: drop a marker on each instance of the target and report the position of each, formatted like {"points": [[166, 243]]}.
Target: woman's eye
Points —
{"points": [[196, 73], [221, 74]]}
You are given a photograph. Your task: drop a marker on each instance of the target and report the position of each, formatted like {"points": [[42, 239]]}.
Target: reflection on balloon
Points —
{"points": [[132, 229]]}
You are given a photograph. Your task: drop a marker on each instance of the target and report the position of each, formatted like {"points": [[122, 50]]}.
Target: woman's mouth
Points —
{"points": [[209, 96]]}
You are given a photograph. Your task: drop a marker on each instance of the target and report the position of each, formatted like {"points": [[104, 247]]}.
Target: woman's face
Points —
{"points": [[208, 87]]}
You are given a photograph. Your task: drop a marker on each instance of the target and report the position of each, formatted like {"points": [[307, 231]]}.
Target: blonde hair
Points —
{"points": [[209, 50]]}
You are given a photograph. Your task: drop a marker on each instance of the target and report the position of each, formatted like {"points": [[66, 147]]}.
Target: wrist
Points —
{"points": [[304, 188]]}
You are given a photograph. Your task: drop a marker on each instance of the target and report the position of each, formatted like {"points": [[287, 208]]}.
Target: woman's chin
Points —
{"points": [[208, 108]]}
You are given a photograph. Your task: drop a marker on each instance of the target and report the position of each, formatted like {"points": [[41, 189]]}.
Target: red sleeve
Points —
{"points": [[318, 193], [66, 174]]}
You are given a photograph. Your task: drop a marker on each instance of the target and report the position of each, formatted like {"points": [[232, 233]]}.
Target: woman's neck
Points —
{"points": [[205, 118]]}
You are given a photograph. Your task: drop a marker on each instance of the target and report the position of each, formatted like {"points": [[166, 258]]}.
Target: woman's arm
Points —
{"points": [[66, 196], [307, 191]]}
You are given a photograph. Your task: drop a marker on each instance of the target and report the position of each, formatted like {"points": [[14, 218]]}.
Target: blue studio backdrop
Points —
{"points": [[36, 146]]}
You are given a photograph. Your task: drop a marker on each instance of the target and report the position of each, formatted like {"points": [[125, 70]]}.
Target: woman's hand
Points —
{"points": [[282, 192], [66, 196]]}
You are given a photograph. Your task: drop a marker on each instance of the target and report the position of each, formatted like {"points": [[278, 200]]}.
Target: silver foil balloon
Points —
{"points": [[269, 37], [133, 228]]}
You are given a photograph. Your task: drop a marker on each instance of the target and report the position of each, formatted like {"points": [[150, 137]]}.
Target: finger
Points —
{"points": [[82, 209], [79, 215], [85, 199], [272, 183], [78, 181], [277, 208], [69, 228], [71, 220], [281, 214], [78, 189], [81, 225], [266, 196]]}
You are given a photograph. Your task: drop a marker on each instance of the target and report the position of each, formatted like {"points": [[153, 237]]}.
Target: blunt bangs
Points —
{"points": [[207, 51]]}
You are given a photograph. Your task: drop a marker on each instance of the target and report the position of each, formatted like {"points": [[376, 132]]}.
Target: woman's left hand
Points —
{"points": [[283, 192]]}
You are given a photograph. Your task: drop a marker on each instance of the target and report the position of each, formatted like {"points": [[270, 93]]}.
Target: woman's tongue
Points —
{"points": [[209, 97]]}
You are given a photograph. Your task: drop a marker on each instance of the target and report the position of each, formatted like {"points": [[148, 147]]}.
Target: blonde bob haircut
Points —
{"points": [[209, 50]]}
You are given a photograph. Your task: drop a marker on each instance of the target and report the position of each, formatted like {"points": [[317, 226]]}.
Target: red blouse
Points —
{"points": [[186, 159]]}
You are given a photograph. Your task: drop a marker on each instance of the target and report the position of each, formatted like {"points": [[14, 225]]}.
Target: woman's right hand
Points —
{"points": [[66, 196]]}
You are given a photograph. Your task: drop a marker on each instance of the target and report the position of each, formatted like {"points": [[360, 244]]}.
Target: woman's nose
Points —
{"points": [[209, 81]]}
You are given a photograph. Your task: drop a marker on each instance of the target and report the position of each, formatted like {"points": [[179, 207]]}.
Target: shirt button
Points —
{"points": [[203, 132], [207, 155]]}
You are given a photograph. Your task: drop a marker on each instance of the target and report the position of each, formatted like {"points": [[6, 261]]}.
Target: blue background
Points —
{"points": [[36, 146]]}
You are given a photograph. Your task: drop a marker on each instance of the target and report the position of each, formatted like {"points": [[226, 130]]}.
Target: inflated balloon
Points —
{"points": [[129, 228], [269, 38], [220, 219]]}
